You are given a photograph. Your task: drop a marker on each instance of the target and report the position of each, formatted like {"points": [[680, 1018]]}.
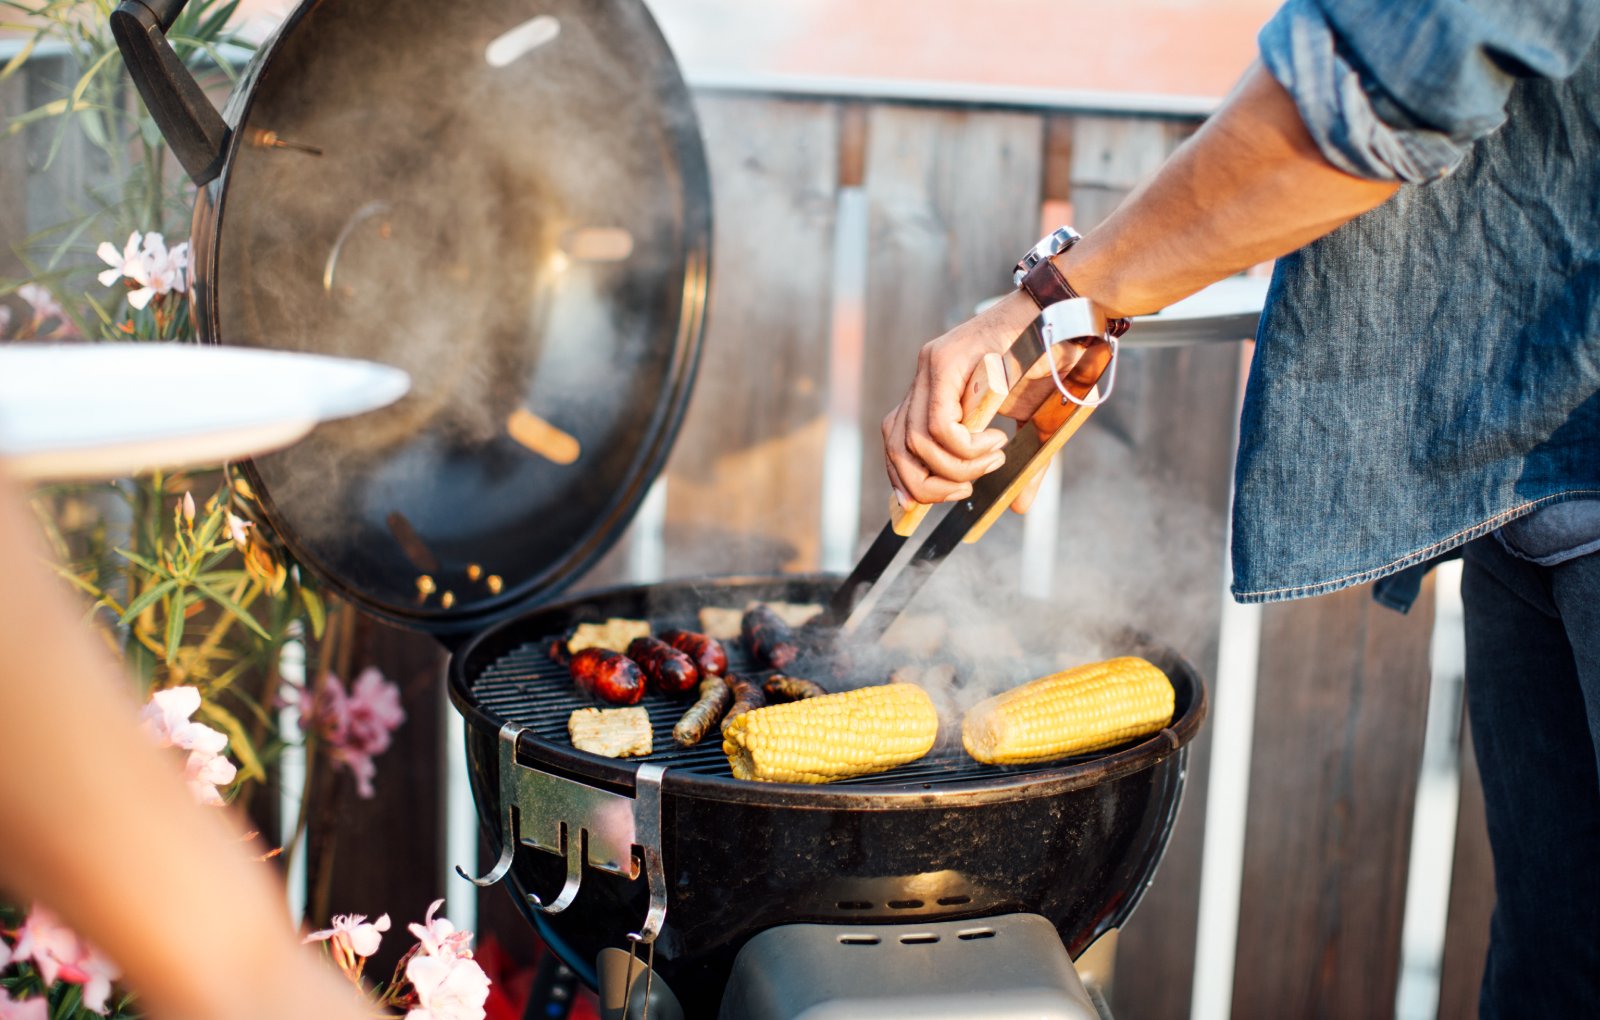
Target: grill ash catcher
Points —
{"points": [[429, 187]]}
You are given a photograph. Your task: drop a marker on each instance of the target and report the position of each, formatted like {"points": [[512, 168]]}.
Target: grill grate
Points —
{"points": [[527, 687]]}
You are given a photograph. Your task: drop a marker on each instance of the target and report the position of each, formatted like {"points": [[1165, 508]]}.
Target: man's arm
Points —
{"points": [[1251, 185]]}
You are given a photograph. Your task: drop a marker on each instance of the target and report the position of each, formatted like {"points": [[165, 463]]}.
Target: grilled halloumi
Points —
{"points": [[611, 732], [615, 635]]}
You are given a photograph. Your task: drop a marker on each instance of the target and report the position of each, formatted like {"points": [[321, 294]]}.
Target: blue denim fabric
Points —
{"points": [[1533, 695], [1431, 370]]}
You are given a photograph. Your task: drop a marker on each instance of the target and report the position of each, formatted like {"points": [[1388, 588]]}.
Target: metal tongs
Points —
{"points": [[996, 386]]}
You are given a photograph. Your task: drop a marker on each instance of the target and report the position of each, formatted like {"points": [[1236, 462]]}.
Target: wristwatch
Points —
{"points": [[1037, 275], [1065, 316]]}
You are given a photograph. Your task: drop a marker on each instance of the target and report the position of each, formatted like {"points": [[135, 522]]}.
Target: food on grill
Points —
{"points": [[668, 670], [872, 729], [790, 688], [1086, 708], [715, 697], [767, 638], [919, 634], [616, 634], [747, 697], [613, 732], [707, 652], [795, 614], [607, 675], [721, 622]]}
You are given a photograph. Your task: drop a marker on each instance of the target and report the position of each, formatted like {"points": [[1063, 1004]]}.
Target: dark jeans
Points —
{"points": [[1533, 692]]}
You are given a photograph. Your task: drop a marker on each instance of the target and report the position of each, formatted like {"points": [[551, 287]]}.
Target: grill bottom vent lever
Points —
{"points": [[610, 831]]}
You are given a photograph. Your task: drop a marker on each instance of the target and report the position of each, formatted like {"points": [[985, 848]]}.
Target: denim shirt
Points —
{"points": [[1431, 370]]}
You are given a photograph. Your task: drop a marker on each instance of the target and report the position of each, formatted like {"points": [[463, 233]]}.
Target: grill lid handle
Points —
{"points": [[191, 125]]}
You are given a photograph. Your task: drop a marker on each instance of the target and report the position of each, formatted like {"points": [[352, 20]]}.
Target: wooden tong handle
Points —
{"points": [[984, 393], [1056, 421]]}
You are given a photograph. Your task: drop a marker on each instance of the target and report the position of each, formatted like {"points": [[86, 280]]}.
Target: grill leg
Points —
{"points": [[555, 985]]}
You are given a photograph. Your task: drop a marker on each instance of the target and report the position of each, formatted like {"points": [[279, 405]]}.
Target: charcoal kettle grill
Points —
{"points": [[509, 199]]}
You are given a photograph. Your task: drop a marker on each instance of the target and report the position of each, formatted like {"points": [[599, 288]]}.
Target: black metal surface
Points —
{"points": [[188, 121], [945, 838], [867, 571], [425, 218]]}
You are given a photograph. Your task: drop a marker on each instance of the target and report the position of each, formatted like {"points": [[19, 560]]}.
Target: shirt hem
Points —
{"points": [[1427, 552]]}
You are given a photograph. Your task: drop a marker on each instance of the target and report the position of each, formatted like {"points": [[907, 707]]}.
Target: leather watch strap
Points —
{"points": [[1046, 285]]}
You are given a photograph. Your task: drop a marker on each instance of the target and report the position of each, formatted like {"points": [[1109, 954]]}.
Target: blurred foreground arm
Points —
{"points": [[1249, 186], [97, 824]]}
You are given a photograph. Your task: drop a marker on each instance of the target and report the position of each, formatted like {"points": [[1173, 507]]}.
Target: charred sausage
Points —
{"points": [[767, 638], [607, 675], [707, 652], [668, 670], [790, 688], [558, 651], [715, 697], [746, 697]]}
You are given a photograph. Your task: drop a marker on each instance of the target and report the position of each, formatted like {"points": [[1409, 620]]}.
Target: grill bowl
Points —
{"points": [[1076, 841]]}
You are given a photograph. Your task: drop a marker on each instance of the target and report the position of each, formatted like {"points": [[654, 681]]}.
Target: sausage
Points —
{"points": [[558, 651], [668, 670], [707, 652], [790, 688], [767, 638], [746, 697], [607, 675], [715, 697]]}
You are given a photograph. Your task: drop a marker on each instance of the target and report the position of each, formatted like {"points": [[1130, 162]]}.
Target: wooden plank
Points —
{"points": [[1152, 471], [1466, 936], [390, 849], [1340, 714], [953, 199], [745, 479]]}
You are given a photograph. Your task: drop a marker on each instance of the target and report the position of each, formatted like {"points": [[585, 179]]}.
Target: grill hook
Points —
{"points": [[573, 841], [508, 844]]}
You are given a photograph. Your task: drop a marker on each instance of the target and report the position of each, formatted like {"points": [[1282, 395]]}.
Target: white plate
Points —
{"points": [[100, 410]]}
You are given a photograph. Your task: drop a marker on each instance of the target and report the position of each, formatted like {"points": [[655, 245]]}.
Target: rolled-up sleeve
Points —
{"points": [[1399, 91]]}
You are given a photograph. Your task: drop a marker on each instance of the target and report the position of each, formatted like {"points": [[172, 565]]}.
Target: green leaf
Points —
{"points": [[315, 611], [238, 740], [175, 626], [141, 562], [21, 58], [55, 108], [148, 598], [233, 609]]}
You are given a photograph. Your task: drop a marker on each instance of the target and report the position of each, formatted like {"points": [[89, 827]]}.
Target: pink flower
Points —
{"points": [[166, 719], [188, 507], [358, 725], [447, 987], [351, 938], [36, 1008], [42, 302], [59, 953], [439, 937], [5, 318]]}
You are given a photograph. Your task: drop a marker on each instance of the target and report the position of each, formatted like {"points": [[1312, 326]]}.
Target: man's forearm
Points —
{"points": [[1250, 186]]}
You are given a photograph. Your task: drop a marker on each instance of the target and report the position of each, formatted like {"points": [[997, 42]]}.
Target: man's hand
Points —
{"points": [[929, 454]]}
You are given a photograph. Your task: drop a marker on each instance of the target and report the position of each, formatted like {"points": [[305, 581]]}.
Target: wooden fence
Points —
{"points": [[848, 232]]}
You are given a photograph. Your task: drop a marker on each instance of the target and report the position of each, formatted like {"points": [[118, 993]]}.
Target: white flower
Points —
{"points": [[447, 987], [147, 262], [351, 937], [237, 528], [166, 719], [438, 936]]}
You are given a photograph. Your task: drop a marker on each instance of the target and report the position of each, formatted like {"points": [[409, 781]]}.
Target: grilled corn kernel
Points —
{"points": [[818, 740], [1083, 709]]}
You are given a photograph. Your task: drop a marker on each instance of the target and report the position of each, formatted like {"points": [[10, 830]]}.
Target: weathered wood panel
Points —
{"points": [[745, 479], [1341, 709], [953, 200], [1466, 940], [1151, 470], [390, 849]]}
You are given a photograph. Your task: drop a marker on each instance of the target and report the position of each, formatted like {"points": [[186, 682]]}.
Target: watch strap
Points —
{"points": [[1047, 285]]}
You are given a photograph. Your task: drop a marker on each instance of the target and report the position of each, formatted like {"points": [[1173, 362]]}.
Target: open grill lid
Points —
{"points": [[511, 203]]}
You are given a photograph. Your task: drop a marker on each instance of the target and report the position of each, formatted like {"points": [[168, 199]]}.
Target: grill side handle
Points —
{"points": [[610, 831]]}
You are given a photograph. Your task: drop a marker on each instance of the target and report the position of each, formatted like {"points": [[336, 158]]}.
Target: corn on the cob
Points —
{"points": [[1083, 709], [818, 740]]}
